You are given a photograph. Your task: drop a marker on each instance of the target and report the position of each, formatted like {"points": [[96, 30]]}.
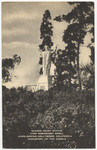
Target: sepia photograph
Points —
{"points": [[48, 74]]}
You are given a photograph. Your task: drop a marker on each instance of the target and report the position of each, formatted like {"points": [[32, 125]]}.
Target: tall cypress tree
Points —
{"points": [[46, 31], [45, 34]]}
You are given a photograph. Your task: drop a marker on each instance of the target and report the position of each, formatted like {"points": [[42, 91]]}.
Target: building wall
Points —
{"points": [[32, 88]]}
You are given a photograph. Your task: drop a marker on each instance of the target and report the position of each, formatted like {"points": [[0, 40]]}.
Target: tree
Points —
{"points": [[80, 17], [45, 47], [73, 36], [64, 61], [59, 62], [88, 77], [46, 31], [7, 65]]}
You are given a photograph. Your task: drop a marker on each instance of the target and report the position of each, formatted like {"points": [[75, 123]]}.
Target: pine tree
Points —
{"points": [[80, 17]]}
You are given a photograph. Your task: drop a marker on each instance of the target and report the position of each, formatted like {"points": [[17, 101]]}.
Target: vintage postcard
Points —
{"points": [[48, 74]]}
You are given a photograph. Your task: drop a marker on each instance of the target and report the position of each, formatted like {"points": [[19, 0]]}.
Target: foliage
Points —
{"points": [[79, 19], [24, 111], [64, 61], [61, 107], [88, 76], [8, 64], [46, 31]]}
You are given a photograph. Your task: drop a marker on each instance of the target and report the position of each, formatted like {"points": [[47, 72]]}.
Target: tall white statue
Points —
{"points": [[44, 81]]}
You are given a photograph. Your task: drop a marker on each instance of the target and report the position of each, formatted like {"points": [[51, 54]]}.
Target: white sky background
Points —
{"points": [[21, 35]]}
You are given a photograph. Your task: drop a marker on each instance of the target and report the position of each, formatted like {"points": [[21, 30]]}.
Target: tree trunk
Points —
{"points": [[48, 69], [70, 78], [78, 68]]}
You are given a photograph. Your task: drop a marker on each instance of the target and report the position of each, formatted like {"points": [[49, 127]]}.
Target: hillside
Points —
{"points": [[24, 111]]}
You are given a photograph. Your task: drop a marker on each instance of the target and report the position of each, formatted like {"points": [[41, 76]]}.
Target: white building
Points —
{"points": [[32, 88]]}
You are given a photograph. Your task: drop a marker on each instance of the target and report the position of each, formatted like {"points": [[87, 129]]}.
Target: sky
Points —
{"points": [[21, 23]]}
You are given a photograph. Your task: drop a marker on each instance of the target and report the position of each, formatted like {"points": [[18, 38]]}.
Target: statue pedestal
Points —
{"points": [[42, 83]]}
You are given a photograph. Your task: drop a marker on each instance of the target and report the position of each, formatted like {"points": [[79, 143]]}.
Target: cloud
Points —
{"points": [[22, 25], [58, 30], [21, 35], [21, 31], [22, 15], [28, 70], [22, 48], [14, 32], [21, 21]]}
